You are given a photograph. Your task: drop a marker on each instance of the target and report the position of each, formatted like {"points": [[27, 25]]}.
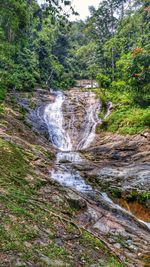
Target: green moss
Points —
{"points": [[115, 192], [46, 153], [93, 243], [12, 163], [90, 240], [141, 197], [1, 108], [111, 262], [2, 93], [144, 196], [54, 252]]}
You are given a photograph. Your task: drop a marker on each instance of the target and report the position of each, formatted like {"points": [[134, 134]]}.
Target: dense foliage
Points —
{"points": [[115, 43], [113, 47], [34, 45], [39, 46]]}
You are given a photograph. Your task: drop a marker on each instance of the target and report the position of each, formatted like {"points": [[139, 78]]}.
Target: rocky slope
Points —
{"points": [[122, 163], [45, 224]]}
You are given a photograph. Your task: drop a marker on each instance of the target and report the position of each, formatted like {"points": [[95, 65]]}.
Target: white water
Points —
{"points": [[59, 136], [53, 117], [91, 120], [71, 178], [68, 157]]}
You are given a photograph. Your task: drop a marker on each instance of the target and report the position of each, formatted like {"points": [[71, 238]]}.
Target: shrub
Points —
{"points": [[103, 80], [2, 93], [120, 86]]}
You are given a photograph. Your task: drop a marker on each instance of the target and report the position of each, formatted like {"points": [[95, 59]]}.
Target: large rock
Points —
{"points": [[76, 201]]}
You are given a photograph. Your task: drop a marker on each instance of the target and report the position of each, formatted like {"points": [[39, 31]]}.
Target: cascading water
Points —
{"points": [[62, 134], [53, 116], [90, 127]]}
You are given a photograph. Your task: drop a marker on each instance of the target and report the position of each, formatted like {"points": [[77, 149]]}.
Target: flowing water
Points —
{"points": [[53, 117], [62, 136]]}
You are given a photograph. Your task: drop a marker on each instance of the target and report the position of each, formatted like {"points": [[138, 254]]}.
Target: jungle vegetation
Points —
{"points": [[41, 46]]}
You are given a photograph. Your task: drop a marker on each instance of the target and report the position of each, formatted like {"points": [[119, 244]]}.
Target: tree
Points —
{"points": [[31, 47], [103, 81], [92, 71]]}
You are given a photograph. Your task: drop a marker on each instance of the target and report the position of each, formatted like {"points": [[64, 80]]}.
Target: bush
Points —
{"points": [[120, 86], [21, 80], [103, 80], [2, 93]]}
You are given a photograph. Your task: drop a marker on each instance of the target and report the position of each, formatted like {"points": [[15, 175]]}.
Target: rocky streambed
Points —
{"points": [[104, 177]]}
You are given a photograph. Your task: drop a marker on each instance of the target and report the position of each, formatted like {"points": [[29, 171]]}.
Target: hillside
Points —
{"points": [[74, 134], [45, 224]]}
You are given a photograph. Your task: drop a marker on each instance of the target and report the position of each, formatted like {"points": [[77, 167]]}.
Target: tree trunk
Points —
{"points": [[122, 10], [112, 32], [113, 64]]}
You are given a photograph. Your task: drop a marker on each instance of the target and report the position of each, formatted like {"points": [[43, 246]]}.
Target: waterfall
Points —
{"points": [[53, 117], [91, 120], [60, 137]]}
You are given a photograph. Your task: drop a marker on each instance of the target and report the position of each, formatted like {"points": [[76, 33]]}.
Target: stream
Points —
{"points": [[64, 173], [59, 117]]}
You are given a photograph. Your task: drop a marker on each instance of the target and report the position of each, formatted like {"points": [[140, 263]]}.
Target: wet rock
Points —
{"points": [[148, 203], [106, 226], [124, 179], [24, 102], [37, 121], [80, 108], [83, 167], [7, 138]]}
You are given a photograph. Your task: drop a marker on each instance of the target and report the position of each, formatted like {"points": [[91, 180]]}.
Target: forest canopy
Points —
{"points": [[40, 46]]}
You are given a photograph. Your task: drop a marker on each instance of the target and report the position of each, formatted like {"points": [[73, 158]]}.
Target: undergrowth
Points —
{"points": [[128, 116]]}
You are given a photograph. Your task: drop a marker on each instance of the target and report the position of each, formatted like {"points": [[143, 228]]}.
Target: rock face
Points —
{"points": [[80, 117], [130, 177], [120, 162]]}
